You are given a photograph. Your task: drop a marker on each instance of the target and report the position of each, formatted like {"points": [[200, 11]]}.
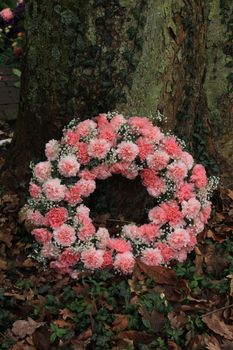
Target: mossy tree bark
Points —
{"points": [[135, 56]]}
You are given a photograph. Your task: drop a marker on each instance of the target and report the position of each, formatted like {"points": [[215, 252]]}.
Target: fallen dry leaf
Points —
{"points": [[136, 337], [214, 323], [173, 346], [41, 339], [120, 323], [3, 264], [22, 328], [160, 274], [156, 319], [212, 343]]}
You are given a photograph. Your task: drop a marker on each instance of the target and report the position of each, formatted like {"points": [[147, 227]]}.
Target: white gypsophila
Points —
{"points": [[91, 135]]}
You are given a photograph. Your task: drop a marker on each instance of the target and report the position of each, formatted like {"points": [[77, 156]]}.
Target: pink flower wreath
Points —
{"points": [[97, 149]]}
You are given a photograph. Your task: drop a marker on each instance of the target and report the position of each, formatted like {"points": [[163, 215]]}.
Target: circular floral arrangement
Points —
{"points": [[95, 150]]}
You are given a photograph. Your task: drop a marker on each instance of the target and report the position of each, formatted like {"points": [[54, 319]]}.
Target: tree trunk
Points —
{"points": [[135, 56]]}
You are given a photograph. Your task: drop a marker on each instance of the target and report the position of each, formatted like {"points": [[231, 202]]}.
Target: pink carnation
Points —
{"points": [[60, 267], [73, 194], [177, 171], [85, 128], [102, 236], [98, 148], [198, 224], [7, 14], [166, 251], [34, 190], [69, 257], [185, 191], [82, 153], [145, 147], [42, 235], [71, 138], [127, 151], [199, 176], [148, 232], [51, 149], [92, 258], [171, 146], [101, 171], [86, 187], [36, 218], [86, 175], [49, 251], [187, 159], [54, 191], [42, 171], [174, 215], [155, 185], [152, 257], [153, 133], [86, 231], [64, 235], [181, 255], [119, 167], [68, 166], [107, 260], [158, 215], [102, 120], [57, 216], [158, 160], [107, 133], [191, 208], [205, 212], [124, 262], [178, 239], [83, 210], [140, 122], [117, 121], [120, 245], [131, 231]]}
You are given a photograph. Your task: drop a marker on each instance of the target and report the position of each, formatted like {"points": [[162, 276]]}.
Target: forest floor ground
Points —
{"points": [[187, 306]]}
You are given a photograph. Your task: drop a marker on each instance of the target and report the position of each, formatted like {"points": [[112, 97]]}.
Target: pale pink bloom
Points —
{"points": [[85, 128], [86, 187], [82, 153], [54, 190], [127, 151], [86, 174], [158, 215], [92, 258], [171, 146], [177, 171], [57, 216], [49, 251], [130, 172], [42, 235], [119, 167], [42, 171], [59, 267], [101, 171], [153, 133], [69, 257], [117, 121], [107, 133], [198, 224], [148, 232], [124, 262], [199, 176], [68, 166], [145, 147], [83, 210], [192, 239], [73, 195], [86, 231], [51, 149], [34, 190], [158, 160], [102, 236], [174, 215], [152, 257], [181, 255], [107, 260], [7, 14], [178, 239], [131, 231], [120, 245], [64, 235], [187, 159], [205, 212], [98, 148], [191, 208], [185, 191], [71, 138], [159, 189], [36, 218], [140, 122], [166, 251]]}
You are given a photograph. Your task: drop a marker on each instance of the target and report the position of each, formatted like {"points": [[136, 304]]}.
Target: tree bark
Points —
{"points": [[135, 56]]}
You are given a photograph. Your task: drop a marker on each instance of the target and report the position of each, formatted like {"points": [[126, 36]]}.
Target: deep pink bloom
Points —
{"points": [[145, 147], [127, 151], [82, 153], [57, 216], [185, 191], [42, 235], [158, 160], [171, 146], [7, 14], [34, 190], [118, 244], [199, 176]]}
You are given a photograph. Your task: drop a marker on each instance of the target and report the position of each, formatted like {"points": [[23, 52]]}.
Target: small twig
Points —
{"points": [[216, 310]]}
